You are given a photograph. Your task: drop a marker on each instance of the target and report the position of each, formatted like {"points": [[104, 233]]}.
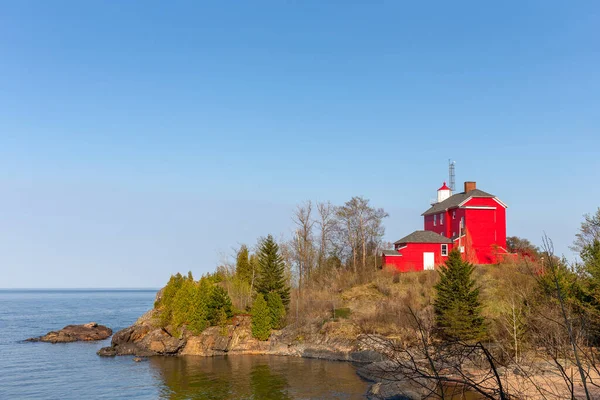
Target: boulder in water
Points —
{"points": [[75, 333]]}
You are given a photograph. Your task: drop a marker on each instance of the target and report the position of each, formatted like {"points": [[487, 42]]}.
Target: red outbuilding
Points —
{"points": [[473, 221]]}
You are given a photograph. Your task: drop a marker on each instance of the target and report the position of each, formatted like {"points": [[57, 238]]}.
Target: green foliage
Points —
{"points": [[276, 310], [524, 247], [272, 271], [590, 255], [221, 320], [590, 283], [261, 318], [166, 300], [196, 305], [243, 268], [197, 317], [183, 303], [219, 300], [457, 306], [342, 313], [558, 276]]}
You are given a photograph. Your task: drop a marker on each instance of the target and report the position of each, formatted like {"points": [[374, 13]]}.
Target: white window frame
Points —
{"points": [[444, 250], [434, 219], [442, 219]]}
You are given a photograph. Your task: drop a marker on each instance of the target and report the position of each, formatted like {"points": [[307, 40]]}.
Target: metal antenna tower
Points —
{"points": [[451, 174]]}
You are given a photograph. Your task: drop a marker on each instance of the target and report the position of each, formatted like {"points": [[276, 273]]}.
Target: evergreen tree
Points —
{"points": [[276, 310], [261, 318], [457, 306], [590, 284], [243, 269], [221, 321], [183, 303], [272, 271], [165, 303], [219, 300], [198, 314]]}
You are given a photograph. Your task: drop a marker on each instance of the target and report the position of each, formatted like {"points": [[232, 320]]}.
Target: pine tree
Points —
{"points": [[165, 303], [219, 300], [243, 269], [261, 318], [276, 310], [589, 293], [198, 314], [272, 271], [457, 306], [183, 303]]}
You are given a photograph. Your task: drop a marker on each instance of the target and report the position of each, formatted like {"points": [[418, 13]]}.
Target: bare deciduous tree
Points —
{"points": [[588, 232], [326, 225]]}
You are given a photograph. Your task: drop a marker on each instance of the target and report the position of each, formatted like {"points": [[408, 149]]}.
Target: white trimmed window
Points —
{"points": [[453, 214], [444, 250], [442, 219], [435, 220]]}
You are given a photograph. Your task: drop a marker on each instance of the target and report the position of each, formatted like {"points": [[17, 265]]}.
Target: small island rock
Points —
{"points": [[75, 333]]}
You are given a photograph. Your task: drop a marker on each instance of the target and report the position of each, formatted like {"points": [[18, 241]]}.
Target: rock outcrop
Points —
{"points": [[145, 339], [75, 333]]}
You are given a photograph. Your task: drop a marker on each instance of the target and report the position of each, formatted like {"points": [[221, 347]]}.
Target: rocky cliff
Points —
{"points": [[145, 338]]}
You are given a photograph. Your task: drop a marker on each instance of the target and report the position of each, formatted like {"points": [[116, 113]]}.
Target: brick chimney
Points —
{"points": [[470, 186]]}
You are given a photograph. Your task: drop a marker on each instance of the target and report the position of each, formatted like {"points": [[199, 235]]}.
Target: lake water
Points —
{"points": [[74, 371]]}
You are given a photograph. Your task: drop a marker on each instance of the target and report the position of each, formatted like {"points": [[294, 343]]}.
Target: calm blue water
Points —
{"points": [[74, 371]]}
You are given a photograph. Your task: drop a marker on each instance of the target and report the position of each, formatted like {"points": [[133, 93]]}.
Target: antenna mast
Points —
{"points": [[451, 174]]}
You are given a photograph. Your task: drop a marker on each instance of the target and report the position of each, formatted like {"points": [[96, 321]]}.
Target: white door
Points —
{"points": [[428, 261]]}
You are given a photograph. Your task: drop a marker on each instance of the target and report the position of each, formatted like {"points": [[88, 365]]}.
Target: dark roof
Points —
{"points": [[424, 237], [390, 253], [455, 200]]}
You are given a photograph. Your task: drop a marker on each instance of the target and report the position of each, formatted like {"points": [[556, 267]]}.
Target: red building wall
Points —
{"points": [[440, 228], [487, 229], [412, 256]]}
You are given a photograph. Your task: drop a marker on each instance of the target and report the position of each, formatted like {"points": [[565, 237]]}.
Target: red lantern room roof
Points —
{"points": [[444, 187]]}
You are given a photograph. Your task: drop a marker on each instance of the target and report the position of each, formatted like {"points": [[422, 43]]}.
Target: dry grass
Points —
{"points": [[381, 305]]}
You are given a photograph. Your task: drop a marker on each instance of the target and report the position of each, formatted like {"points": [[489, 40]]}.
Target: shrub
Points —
{"points": [[222, 321], [342, 313]]}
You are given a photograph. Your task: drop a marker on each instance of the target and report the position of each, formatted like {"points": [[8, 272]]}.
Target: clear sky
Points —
{"points": [[142, 138]]}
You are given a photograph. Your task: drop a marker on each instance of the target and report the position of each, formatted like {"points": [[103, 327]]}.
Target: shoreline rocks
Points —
{"points": [[75, 333], [144, 339]]}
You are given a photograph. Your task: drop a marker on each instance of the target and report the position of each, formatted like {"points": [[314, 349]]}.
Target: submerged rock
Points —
{"points": [[391, 384], [74, 333]]}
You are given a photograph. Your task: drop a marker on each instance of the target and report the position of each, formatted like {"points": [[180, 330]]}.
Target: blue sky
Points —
{"points": [[138, 139]]}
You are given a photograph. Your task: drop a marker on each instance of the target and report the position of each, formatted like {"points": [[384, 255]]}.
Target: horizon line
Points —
{"points": [[79, 288]]}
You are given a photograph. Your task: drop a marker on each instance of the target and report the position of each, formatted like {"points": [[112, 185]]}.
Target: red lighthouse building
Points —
{"points": [[473, 221]]}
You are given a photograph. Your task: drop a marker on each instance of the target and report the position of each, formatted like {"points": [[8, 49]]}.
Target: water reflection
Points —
{"points": [[256, 377]]}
